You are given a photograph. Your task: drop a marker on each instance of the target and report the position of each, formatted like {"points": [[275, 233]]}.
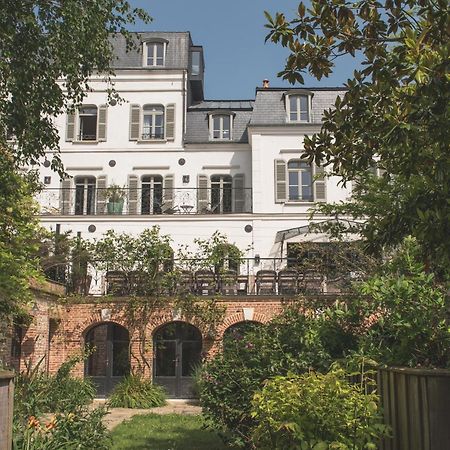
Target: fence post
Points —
{"points": [[6, 408]]}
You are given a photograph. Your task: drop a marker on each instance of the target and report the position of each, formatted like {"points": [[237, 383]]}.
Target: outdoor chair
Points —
{"points": [[228, 283], [185, 284], [287, 282], [266, 282], [205, 282], [313, 283], [242, 283]]}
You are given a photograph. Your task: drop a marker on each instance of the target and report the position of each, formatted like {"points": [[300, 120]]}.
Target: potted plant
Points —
{"points": [[115, 196]]}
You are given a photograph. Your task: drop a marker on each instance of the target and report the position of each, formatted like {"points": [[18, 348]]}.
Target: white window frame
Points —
{"points": [[300, 171], [220, 116], [151, 182], [298, 111], [85, 182], [221, 182], [151, 47], [79, 115], [154, 114]]}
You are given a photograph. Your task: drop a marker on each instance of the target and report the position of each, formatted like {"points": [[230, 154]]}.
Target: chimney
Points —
{"points": [[266, 83]]}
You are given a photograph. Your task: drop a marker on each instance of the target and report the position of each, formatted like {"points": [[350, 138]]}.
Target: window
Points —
{"points": [[16, 341], [155, 54], [85, 195], [195, 63], [87, 130], [221, 194], [300, 180], [152, 194], [153, 122], [221, 127], [298, 108]]}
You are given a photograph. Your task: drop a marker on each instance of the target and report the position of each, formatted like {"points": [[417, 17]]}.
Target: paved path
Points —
{"points": [[118, 415]]}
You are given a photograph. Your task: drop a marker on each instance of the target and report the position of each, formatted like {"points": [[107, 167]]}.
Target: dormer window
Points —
{"points": [[155, 54], [298, 107], [220, 126]]}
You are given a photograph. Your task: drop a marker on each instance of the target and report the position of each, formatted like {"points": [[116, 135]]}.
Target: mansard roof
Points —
{"points": [[270, 105], [177, 55]]}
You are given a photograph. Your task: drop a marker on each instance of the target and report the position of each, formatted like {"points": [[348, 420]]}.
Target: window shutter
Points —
{"points": [[133, 189], [319, 183], [70, 127], [168, 192], [65, 198], [239, 193], [202, 193], [170, 122], [135, 122], [280, 181], [101, 124], [101, 194]]}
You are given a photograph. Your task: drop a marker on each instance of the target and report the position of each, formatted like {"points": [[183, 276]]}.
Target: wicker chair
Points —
{"points": [[205, 282], [228, 283], [266, 282], [287, 282]]}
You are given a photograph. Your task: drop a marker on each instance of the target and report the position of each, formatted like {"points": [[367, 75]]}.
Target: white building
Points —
{"points": [[190, 165]]}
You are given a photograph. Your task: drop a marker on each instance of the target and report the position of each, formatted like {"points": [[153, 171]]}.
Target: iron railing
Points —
{"points": [[90, 200], [247, 276]]}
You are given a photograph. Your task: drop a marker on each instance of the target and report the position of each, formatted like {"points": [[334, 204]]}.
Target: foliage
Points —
{"points": [[316, 411], [115, 193], [42, 42], [72, 426], [166, 431], [80, 430], [36, 393], [403, 314], [293, 342], [134, 391], [394, 113], [18, 226]]}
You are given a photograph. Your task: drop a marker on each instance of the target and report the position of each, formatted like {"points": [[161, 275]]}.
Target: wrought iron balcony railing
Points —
{"points": [[87, 199]]}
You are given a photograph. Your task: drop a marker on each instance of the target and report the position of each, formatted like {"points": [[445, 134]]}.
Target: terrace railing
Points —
{"points": [[87, 200]]}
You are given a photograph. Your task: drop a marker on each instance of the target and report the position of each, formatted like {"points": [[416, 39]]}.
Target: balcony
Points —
{"points": [[89, 200], [269, 277]]}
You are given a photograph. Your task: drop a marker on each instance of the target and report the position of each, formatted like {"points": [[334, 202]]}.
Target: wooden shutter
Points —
{"points": [[133, 188], [170, 122], [65, 197], [135, 122], [202, 194], [239, 193], [101, 194], [319, 183], [280, 181], [101, 123], [70, 127], [168, 192]]}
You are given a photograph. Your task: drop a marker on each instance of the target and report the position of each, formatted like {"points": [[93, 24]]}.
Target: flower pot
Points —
{"points": [[115, 207]]}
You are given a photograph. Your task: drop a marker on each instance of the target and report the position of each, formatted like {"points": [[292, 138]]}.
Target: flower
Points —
{"points": [[33, 422]]}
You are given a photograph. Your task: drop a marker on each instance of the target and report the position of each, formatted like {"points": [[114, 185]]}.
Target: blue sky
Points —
{"points": [[232, 34]]}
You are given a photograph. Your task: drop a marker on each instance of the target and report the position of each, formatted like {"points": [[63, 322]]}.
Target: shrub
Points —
{"points": [[137, 392], [293, 342], [83, 430], [315, 412], [37, 393]]}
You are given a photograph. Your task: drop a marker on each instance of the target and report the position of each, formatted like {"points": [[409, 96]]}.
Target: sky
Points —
{"points": [[232, 35]]}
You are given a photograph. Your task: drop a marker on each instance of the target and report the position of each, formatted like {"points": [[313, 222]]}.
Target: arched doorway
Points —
{"points": [[177, 348], [238, 331], [110, 359]]}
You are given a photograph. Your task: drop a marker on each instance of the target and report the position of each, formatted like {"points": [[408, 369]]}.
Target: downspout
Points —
{"points": [[184, 103]]}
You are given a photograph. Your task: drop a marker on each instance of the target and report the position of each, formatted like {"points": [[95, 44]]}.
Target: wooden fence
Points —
{"points": [[6, 408], [416, 404]]}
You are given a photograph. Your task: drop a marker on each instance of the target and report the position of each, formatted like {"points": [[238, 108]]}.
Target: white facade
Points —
{"points": [[180, 177]]}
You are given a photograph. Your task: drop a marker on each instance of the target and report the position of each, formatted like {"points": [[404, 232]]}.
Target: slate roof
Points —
{"points": [[269, 108], [197, 126], [177, 55]]}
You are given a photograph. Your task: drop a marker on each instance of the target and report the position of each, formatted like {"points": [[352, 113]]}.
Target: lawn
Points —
{"points": [[165, 432]]}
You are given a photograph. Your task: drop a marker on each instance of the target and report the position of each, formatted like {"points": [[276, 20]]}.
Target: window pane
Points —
{"points": [[293, 104], [195, 63], [121, 359], [293, 192], [165, 358], [304, 116], [191, 357], [160, 50], [88, 127], [303, 103], [293, 178], [294, 164], [306, 185]]}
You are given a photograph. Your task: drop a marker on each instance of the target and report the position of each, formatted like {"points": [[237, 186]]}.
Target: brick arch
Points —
{"points": [[237, 318], [96, 319], [156, 325]]}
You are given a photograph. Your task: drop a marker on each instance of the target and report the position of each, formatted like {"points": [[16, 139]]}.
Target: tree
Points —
{"points": [[18, 224], [43, 41], [394, 115]]}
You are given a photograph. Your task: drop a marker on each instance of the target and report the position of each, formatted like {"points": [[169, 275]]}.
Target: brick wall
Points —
{"points": [[58, 336]]}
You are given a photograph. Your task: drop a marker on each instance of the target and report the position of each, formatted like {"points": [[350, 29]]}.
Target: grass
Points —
{"points": [[165, 432]]}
